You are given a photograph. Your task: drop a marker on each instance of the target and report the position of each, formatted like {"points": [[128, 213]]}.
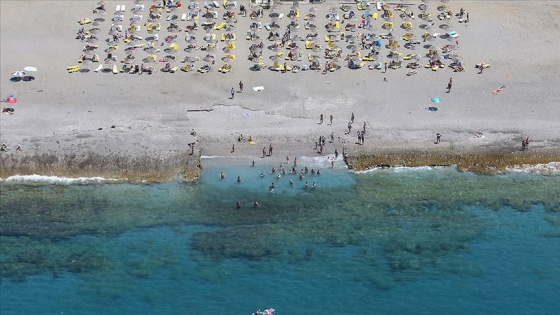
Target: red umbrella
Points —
{"points": [[11, 99]]}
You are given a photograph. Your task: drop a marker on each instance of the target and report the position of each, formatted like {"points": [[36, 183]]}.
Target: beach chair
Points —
{"points": [[406, 25], [118, 9], [187, 68], [85, 21], [374, 15], [277, 66], [183, 17], [387, 25], [310, 44], [72, 69], [138, 8], [137, 17], [219, 26], [98, 68]]}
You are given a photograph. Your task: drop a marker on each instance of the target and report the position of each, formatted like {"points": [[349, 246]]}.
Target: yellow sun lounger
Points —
{"points": [[219, 26], [230, 45], [407, 25], [225, 68], [73, 69], [223, 37], [310, 44], [388, 25], [187, 68]]}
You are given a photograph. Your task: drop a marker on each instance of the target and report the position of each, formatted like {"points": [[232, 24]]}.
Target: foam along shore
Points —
{"points": [[484, 162]]}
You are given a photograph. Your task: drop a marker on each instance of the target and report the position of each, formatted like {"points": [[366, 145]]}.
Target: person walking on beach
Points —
{"points": [[331, 118], [332, 137], [232, 93], [385, 69], [264, 152], [240, 86], [352, 118], [438, 138], [364, 130], [321, 119], [449, 85], [232, 148], [270, 149]]}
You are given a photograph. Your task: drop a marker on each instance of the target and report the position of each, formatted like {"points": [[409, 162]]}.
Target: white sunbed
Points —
{"points": [[378, 6]]}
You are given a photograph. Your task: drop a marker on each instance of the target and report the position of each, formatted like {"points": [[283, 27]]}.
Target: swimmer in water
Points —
{"points": [[253, 164], [312, 171], [262, 174], [222, 175], [239, 179], [255, 203], [278, 176], [300, 176], [318, 172], [291, 182], [314, 185], [273, 170], [238, 204], [306, 184]]}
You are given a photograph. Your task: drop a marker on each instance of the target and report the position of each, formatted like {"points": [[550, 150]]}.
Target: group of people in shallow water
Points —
{"points": [[293, 171]]}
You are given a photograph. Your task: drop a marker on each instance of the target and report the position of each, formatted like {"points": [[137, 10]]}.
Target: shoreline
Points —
{"points": [[159, 168]]}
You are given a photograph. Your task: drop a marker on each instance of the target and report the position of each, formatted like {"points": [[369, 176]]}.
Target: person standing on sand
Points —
{"points": [[352, 118], [232, 148], [270, 149], [364, 130], [438, 138], [240, 86], [264, 152], [332, 117], [232, 93], [449, 85], [385, 69], [321, 119]]}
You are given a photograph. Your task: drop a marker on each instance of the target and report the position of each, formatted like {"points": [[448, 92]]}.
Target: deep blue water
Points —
{"points": [[416, 241]]}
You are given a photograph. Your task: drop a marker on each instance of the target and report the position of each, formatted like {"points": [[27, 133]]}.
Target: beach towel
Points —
{"points": [[258, 88]]}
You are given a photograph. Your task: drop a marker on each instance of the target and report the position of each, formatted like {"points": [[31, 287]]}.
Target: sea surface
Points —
{"points": [[386, 241]]}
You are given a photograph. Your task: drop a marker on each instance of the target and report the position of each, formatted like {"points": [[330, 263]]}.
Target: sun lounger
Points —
{"points": [[118, 9], [138, 8], [85, 21], [98, 68], [219, 26], [183, 17], [378, 6], [137, 17], [72, 69]]}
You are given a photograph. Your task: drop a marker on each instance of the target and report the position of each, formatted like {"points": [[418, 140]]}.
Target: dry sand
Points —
{"points": [[59, 114]]}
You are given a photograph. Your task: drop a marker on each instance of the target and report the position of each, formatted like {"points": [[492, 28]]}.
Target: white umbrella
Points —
{"points": [[30, 69], [18, 73]]}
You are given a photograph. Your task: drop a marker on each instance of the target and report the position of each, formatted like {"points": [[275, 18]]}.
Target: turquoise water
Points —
{"points": [[408, 241]]}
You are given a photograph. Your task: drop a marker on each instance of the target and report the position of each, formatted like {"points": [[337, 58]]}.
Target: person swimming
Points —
{"points": [[222, 175], [238, 204], [262, 174], [291, 182], [239, 179]]}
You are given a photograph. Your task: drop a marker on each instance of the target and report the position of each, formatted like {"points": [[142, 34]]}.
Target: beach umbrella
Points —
{"points": [[209, 58], [30, 69], [18, 73], [227, 59], [150, 50], [11, 99], [436, 99]]}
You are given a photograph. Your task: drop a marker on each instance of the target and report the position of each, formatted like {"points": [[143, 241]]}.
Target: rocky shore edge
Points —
{"points": [[489, 162], [157, 167]]}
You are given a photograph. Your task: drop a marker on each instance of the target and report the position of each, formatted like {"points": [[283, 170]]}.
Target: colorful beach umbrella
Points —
{"points": [[11, 99]]}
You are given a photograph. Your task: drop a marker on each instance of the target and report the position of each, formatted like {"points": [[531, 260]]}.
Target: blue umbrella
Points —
{"points": [[436, 99]]}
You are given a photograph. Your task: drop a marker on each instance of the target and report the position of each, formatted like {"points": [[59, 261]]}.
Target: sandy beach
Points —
{"points": [[121, 125]]}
